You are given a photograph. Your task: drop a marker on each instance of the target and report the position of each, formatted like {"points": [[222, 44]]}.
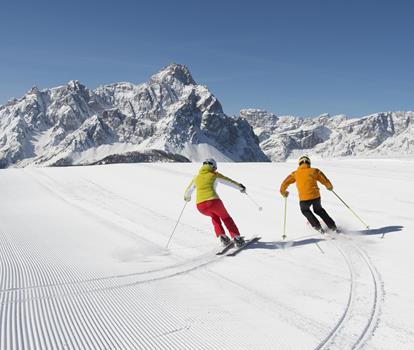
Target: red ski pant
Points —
{"points": [[216, 210]]}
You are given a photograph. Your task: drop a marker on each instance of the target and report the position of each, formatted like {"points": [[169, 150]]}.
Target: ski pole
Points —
{"points": [[253, 201], [284, 221], [176, 224], [350, 209]]}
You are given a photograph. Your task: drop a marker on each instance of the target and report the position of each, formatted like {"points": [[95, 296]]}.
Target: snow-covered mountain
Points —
{"points": [[172, 118], [377, 135], [72, 124]]}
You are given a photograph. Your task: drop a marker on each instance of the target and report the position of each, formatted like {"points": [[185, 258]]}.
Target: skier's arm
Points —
{"points": [[324, 180], [189, 190], [227, 181], [285, 184]]}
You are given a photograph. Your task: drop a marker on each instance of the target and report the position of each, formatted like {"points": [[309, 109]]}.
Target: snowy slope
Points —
{"points": [[72, 124], [388, 134], [83, 261]]}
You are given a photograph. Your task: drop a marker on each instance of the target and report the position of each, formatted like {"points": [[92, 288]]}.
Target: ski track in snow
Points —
{"points": [[363, 309], [50, 302], [86, 319]]}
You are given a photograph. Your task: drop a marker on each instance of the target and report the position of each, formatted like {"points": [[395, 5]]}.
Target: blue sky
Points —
{"points": [[289, 57]]}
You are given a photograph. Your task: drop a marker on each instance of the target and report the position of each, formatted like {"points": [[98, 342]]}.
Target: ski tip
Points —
{"points": [[288, 244]]}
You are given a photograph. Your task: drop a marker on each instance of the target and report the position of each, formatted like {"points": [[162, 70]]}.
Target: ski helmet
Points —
{"points": [[211, 162], [304, 159]]}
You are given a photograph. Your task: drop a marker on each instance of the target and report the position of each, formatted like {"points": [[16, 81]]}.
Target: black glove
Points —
{"points": [[242, 188]]}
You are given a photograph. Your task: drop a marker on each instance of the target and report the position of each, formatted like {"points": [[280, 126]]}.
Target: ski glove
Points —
{"points": [[242, 188], [330, 189], [187, 198], [285, 194]]}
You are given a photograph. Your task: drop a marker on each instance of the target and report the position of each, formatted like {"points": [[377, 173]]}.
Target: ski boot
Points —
{"points": [[335, 229], [320, 230], [238, 241], [225, 241]]}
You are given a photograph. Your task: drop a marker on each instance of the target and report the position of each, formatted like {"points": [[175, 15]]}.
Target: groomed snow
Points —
{"points": [[83, 263]]}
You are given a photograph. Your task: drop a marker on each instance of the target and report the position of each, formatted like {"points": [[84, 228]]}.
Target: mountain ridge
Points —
{"points": [[170, 112], [383, 134]]}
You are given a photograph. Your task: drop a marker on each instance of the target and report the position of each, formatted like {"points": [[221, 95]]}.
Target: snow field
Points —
{"points": [[83, 263]]}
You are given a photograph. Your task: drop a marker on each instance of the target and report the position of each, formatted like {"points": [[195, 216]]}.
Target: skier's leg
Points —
{"points": [[228, 221], [305, 209], [231, 226], [205, 208], [317, 208], [218, 227]]}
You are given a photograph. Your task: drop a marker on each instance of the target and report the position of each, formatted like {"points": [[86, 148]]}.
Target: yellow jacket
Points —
{"points": [[306, 179], [205, 183]]}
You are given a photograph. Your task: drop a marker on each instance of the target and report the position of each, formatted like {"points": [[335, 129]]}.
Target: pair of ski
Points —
{"points": [[231, 249]]}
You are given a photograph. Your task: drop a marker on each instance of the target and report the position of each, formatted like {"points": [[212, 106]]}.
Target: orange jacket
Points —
{"points": [[306, 181]]}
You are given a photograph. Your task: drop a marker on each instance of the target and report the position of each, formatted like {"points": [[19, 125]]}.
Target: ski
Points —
{"points": [[246, 244], [335, 234], [226, 248], [344, 235]]}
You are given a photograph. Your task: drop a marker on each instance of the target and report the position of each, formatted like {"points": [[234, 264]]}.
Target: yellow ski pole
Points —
{"points": [[351, 210], [284, 221]]}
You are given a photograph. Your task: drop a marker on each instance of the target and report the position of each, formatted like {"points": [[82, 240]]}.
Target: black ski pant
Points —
{"points": [[317, 208]]}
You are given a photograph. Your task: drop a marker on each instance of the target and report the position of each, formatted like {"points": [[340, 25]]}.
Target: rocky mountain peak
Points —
{"points": [[258, 116], [172, 72], [33, 91], [75, 85]]}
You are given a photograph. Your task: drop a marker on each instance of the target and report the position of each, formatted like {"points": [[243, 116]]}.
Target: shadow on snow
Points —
{"points": [[378, 231], [290, 244], [283, 244]]}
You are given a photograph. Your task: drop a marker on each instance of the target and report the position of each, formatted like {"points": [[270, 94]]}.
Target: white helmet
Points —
{"points": [[304, 159], [211, 162]]}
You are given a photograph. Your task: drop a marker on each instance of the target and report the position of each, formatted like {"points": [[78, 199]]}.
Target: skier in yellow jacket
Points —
{"points": [[306, 179], [210, 204]]}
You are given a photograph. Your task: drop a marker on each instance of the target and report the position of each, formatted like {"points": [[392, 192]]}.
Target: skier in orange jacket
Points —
{"points": [[306, 179], [209, 203]]}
